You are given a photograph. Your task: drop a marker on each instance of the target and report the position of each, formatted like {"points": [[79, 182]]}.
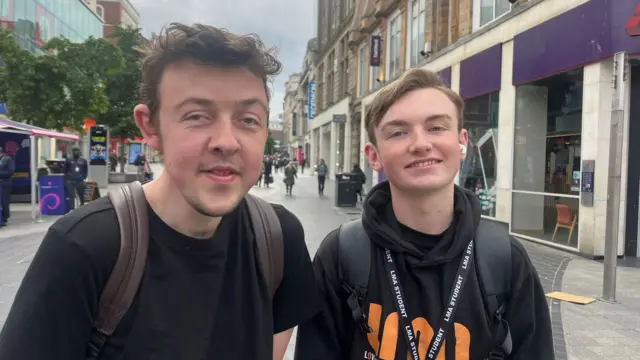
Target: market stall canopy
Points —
{"points": [[27, 129]]}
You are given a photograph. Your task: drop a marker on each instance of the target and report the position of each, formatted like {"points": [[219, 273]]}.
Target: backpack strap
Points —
{"points": [[493, 263], [130, 206], [354, 262], [269, 240]]}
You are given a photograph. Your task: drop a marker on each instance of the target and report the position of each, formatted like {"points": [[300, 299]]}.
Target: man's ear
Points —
{"points": [[149, 130], [372, 154]]}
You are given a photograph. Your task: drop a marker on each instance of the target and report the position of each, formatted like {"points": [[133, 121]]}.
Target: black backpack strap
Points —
{"points": [[269, 240], [493, 263], [354, 254], [130, 206]]}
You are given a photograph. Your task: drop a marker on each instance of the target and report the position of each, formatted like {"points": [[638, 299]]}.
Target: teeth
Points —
{"points": [[426, 163]]}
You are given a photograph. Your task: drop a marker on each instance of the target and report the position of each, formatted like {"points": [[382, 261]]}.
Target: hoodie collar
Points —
{"points": [[381, 225]]}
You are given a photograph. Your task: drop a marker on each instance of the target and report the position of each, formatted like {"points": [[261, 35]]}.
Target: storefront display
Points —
{"points": [[547, 159], [478, 170]]}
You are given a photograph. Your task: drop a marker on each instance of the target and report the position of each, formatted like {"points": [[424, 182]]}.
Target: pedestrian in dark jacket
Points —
{"points": [[76, 171], [361, 178], [290, 174], [7, 169]]}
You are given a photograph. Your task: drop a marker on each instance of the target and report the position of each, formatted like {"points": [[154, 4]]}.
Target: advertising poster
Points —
{"points": [[17, 146], [52, 195], [134, 151], [44, 26], [98, 145]]}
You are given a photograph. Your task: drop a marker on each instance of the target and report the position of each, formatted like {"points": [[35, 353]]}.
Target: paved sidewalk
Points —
{"points": [[601, 330]]}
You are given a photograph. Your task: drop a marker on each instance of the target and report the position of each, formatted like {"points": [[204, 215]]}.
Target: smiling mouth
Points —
{"points": [[424, 164]]}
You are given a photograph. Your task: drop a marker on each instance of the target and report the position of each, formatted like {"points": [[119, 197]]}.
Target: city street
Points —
{"points": [[582, 332]]}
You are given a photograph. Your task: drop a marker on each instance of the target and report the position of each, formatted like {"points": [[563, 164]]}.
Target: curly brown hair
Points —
{"points": [[206, 45]]}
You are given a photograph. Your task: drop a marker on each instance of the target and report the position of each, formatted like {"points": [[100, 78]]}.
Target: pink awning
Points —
{"points": [[5, 123]]}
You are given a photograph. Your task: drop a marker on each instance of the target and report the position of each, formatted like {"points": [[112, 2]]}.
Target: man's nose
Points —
{"points": [[224, 138], [420, 141]]}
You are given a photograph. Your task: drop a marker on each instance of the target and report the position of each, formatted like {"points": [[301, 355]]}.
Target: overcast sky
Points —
{"points": [[288, 24]]}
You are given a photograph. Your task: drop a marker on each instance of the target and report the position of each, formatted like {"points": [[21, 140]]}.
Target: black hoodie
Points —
{"points": [[427, 266]]}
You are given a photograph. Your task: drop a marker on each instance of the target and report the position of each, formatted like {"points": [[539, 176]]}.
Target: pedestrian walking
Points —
{"points": [[323, 171], [76, 171], [420, 275], [213, 273], [7, 170], [361, 178], [290, 176]]}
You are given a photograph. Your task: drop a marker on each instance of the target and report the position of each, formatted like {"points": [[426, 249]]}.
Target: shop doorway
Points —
{"points": [[633, 167]]}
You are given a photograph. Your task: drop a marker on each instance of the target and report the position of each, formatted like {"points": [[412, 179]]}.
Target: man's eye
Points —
{"points": [[250, 121], [397, 133], [195, 117]]}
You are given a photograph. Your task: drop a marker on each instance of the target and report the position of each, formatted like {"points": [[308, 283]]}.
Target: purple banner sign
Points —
{"points": [[445, 76], [588, 33], [482, 73]]}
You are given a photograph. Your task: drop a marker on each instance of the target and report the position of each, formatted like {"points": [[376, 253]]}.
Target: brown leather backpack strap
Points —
{"points": [[131, 209], [269, 240]]}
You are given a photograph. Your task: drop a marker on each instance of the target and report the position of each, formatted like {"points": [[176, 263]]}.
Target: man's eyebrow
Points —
{"points": [[211, 103], [394, 123], [196, 100], [254, 101]]}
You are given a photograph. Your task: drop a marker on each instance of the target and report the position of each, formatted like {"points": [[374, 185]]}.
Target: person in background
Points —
{"points": [[361, 178], [290, 175], [76, 171], [323, 171], [141, 163], [268, 170], [7, 169], [303, 163]]}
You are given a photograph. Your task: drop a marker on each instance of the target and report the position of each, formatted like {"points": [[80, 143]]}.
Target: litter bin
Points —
{"points": [[346, 189]]}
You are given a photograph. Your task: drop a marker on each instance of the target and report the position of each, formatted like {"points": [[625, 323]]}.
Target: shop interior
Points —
{"points": [[553, 213], [478, 170], [631, 249]]}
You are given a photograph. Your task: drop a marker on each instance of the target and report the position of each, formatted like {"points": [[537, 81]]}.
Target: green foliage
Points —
{"points": [[270, 145], [122, 87], [62, 87]]}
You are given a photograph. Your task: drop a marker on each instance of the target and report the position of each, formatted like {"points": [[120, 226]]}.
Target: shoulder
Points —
{"points": [[94, 229], [292, 229]]}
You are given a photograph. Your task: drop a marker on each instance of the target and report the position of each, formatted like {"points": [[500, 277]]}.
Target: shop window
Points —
{"points": [[546, 172], [478, 171], [486, 11], [417, 30], [394, 47], [362, 70]]}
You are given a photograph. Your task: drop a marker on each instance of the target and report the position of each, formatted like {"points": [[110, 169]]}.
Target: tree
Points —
{"points": [[270, 145], [61, 87], [122, 88]]}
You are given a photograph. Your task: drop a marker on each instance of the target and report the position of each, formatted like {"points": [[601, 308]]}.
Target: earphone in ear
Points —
{"points": [[463, 149]]}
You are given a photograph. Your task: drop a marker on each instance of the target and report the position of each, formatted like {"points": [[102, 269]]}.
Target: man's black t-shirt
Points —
{"points": [[198, 300]]}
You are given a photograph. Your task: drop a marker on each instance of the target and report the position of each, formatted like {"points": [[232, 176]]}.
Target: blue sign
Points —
{"points": [[52, 195], [98, 145], [3, 109], [311, 106]]}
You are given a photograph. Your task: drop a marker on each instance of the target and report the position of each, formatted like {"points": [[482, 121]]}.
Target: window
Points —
{"points": [[331, 69], [362, 68], [417, 31], [490, 10], [394, 47]]}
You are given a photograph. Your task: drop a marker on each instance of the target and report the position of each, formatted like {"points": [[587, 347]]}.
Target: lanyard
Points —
{"points": [[450, 308]]}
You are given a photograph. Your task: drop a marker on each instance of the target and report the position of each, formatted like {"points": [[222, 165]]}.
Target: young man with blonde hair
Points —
{"points": [[206, 290], [421, 276]]}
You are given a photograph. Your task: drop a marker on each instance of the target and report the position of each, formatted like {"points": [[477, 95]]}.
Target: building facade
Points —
{"points": [[35, 22], [118, 13], [331, 124], [290, 115], [541, 89]]}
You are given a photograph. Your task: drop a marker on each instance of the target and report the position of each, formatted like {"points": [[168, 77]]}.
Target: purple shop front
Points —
{"points": [[585, 34], [481, 73]]}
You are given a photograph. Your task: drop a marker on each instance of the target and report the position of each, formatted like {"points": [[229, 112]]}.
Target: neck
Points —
{"points": [[430, 213], [174, 210]]}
